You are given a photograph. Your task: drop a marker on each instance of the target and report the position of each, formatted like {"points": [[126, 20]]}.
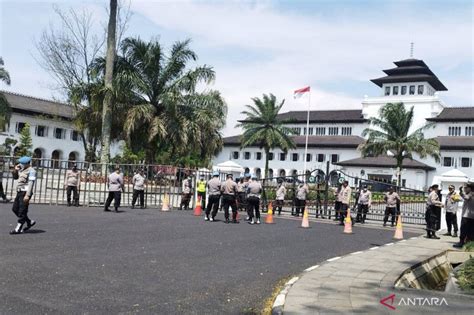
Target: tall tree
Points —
{"points": [[165, 107], [5, 109], [390, 133], [108, 80], [263, 128], [26, 143]]}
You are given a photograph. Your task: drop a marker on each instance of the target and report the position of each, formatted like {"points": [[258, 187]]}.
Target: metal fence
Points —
{"points": [[50, 186], [322, 189]]}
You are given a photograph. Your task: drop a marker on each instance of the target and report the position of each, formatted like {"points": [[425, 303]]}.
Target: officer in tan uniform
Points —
{"points": [[229, 193], [72, 182]]}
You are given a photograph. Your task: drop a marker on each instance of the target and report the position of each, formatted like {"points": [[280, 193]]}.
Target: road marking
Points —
{"points": [[356, 253], [388, 244], [372, 248], [333, 259], [311, 268], [293, 280]]}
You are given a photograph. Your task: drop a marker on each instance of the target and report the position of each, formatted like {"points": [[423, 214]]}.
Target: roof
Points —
{"points": [[313, 141], [456, 143], [385, 162], [38, 106], [454, 114], [324, 116], [410, 70]]}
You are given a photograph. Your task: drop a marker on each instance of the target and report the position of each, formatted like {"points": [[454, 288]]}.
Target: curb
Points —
{"points": [[279, 303]]}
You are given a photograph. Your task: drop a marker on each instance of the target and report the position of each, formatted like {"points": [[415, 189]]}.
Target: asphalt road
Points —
{"points": [[84, 260]]}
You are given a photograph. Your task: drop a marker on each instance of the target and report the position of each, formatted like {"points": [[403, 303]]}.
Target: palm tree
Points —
{"points": [[390, 133], [164, 107], [263, 128], [5, 109]]}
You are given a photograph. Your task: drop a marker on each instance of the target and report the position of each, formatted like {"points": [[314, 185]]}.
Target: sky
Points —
{"points": [[258, 47]]}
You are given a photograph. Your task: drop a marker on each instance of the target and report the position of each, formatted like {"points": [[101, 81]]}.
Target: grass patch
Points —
{"points": [[465, 276], [469, 247]]}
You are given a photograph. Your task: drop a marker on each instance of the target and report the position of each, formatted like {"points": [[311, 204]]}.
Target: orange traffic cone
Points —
{"points": [[166, 203], [198, 208], [269, 218], [348, 223], [305, 222], [399, 230]]}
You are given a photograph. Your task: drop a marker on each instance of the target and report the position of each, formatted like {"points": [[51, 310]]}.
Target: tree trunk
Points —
{"points": [[267, 152], [109, 72]]}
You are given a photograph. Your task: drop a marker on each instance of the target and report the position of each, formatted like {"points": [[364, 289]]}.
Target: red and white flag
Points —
{"points": [[301, 92]]}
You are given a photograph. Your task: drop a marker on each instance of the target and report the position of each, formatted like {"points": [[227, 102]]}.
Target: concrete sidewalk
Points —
{"points": [[355, 283]]}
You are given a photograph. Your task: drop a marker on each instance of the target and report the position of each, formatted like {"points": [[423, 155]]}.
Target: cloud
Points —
{"points": [[292, 49]]}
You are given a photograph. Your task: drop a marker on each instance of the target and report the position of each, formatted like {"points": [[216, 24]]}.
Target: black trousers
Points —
{"points": [[343, 212], [299, 205], [467, 230], [451, 221], [390, 211], [432, 217], [75, 193], [229, 201], [2, 192], [138, 193], [279, 206], [242, 202], [253, 205], [185, 200], [337, 209], [113, 195], [20, 208], [362, 213], [202, 194], [213, 204]]}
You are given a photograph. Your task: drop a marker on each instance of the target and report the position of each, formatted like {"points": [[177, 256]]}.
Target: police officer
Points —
{"points": [[214, 190], [138, 182], [433, 212], [337, 203], [201, 191], [280, 196], [186, 194], [241, 187], [467, 221], [229, 193], [391, 199], [301, 193], [364, 203], [254, 190], [26, 176], [115, 183], [451, 206], [344, 197], [72, 182]]}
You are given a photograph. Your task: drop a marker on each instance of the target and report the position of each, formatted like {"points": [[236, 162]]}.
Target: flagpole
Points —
{"points": [[307, 133]]}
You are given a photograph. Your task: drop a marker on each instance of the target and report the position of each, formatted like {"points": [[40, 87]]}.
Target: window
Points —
{"points": [[320, 131], [41, 131], [404, 89], [404, 182], [321, 157], [309, 157], [282, 156], [246, 155], [294, 157], [448, 161], [469, 131], [235, 155], [19, 126], [270, 156], [297, 131], [395, 90], [334, 158], [420, 89], [387, 90], [59, 133], [258, 155], [454, 131], [412, 90], [333, 131], [75, 135], [466, 162], [346, 131], [310, 131]]}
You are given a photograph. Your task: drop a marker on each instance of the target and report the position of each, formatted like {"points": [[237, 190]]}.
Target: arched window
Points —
{"points": [[56, 156]]}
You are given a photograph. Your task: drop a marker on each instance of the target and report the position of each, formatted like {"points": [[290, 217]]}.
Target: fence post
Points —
{"points": [[326, 190]]}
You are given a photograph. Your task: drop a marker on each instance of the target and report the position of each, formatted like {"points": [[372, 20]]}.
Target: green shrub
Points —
{"points": [[465, 276]]}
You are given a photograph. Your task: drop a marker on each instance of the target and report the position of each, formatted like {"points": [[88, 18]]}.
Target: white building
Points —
{"points": [[335, 135], [51, 127]]}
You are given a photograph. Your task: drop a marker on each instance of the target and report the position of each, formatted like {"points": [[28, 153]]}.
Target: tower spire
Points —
{"points": [[411, 49]]}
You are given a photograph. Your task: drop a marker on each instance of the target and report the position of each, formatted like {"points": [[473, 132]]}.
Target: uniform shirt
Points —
{"points": [[365, 198], [229, 187], [468, 206], [186, 186], [451, 202], [345, 194], [391, 199], [26, 180], [138, 182], [241, 187], [433, 199], [336, 194], [115, 182], [280, 193], [214, 186], [301, 192], [254, 189], [72, 178], [201, 186]]}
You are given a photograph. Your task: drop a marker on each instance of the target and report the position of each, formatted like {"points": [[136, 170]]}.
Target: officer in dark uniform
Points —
{"points": [[229, 194]]}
